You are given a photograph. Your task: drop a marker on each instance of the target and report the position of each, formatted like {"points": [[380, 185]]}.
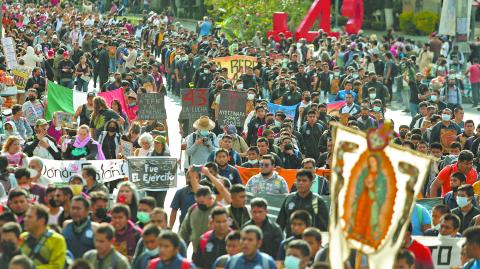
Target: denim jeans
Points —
{"points": [[112, 65], [67, 82], [82, 85], [413, 109]]}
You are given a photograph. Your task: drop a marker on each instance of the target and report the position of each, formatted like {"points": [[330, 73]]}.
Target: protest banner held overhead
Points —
{"points": [[153, 173], [151, 106], [194, 105], [232, 109], [235, 64]]}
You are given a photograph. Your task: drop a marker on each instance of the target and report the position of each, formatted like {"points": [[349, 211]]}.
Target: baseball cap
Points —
{"points": [[41, 122], [231, 129]]}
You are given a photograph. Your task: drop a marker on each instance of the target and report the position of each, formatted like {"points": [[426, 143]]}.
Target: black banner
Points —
{"points": [[151, 106], [232, 108], [153, 173]]}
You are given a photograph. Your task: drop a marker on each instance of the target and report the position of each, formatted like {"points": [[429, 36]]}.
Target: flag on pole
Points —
{"points": [[60, 98]]}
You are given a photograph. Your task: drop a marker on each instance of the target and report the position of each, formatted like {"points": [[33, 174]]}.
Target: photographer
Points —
{"points": [[201, 143]]}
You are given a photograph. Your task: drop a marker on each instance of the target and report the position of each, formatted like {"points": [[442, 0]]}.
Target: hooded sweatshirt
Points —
{"points": [[31, 59]]}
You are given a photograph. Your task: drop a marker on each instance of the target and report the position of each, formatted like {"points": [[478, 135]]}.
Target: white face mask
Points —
{"points": [[240, 86], [250, 96], [252, 161]]}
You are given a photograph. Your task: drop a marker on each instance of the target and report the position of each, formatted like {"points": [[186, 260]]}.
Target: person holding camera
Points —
{"points": [[202, 142]]}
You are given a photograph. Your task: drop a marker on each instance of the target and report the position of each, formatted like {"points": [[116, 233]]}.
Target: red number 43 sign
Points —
{"points": [[320, 10]]}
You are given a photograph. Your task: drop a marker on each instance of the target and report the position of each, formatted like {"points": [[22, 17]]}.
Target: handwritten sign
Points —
{"points": [[236, 64], [20, 78], [9, 51], [153, 173], [63, 119], [151, 106], [232, 108], [107, 170], [194, 105], [127, 148]]}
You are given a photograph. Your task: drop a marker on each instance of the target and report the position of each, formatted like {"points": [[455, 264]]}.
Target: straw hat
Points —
{"points": [[204, 123]]}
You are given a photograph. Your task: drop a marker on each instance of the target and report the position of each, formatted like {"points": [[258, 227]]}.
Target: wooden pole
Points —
{"points": [[358, 259]]}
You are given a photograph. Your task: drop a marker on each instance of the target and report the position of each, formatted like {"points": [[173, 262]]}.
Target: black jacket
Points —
{"points": [[272, 236], [32, 144], [313, 204]]}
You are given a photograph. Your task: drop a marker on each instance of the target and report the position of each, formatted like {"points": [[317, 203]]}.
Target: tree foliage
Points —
{"points": [[242, 18]]}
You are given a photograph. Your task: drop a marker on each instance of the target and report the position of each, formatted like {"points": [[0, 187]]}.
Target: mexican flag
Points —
{"points": [[60, 98]]}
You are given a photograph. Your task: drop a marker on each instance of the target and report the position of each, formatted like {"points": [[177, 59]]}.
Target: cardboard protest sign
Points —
{"points": [[107, 170], [153, 173], [373, 188], [445, 251], [9, 51], [151, 106], [63, 119], [127, 148], [232, 108], [20, 78], [236, 64], [194, 105]]}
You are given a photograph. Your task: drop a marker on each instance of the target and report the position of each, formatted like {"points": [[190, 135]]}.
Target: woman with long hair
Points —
{"points": [[128, 195], [101, 115], [82, 146], [110, 140], [82, 70], [115, 105], [13, 151]]}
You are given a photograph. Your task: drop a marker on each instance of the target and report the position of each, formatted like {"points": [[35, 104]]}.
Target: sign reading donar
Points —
{"points": [[153, 173]]}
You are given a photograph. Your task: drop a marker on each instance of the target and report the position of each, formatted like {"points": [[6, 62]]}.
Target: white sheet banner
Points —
{"points": [[60, 171], [445, 251]]}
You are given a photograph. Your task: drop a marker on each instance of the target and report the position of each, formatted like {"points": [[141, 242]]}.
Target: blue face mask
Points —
{"points": [[152, 253], [291, 262], [204, 132], [462, 201]]}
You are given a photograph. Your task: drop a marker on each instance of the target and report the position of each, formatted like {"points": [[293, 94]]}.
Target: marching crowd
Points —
{"points": [[77, 225]]}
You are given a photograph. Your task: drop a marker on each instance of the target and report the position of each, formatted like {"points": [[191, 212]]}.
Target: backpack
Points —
{"points": [[153, 264]]}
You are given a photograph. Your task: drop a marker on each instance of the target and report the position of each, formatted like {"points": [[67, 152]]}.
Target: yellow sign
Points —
{"points": [[236, 64], [20, 78]]}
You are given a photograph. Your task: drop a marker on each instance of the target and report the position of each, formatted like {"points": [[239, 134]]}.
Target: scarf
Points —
{"points": [[82, 143]]}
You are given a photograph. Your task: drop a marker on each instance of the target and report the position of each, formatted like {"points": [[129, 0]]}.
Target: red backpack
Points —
{"points": [[185, 264]]}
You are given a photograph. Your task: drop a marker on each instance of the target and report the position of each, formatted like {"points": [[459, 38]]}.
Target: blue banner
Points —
{"points": [[288, 110]]}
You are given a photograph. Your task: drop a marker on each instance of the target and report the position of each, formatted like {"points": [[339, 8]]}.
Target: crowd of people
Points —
{"points": [[77, 224]]}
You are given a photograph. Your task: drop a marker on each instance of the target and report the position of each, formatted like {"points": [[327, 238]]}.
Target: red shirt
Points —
{"points": [[448, 170], [423, 256], [474, 73]]}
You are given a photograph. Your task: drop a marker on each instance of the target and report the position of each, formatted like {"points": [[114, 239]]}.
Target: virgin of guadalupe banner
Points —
{"points": [[373, 191]]}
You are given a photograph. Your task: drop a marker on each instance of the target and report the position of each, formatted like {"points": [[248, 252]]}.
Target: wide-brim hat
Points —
{"points": [[204, 123]]}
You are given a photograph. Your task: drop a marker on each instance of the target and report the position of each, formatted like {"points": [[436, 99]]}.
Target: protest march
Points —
{"points": [[133, 138]]}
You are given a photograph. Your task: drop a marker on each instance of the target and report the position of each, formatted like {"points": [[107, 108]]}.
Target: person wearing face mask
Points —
{"points": [[54, 209], [33, 109], [444, 125], [279, 89], [10, 234], [466, 209], [203, 77], [117, 83], [151, 249], [297, 255], [110, 140], [79, 231], [196, 221], [202, 142], [293, 96], [304, 80], [36, 192], [252, 158]]}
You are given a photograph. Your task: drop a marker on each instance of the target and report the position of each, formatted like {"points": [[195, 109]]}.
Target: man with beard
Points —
{"points": [[18, 203], [54, 209], [78, 231], [10, 234], [63, 197]]}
